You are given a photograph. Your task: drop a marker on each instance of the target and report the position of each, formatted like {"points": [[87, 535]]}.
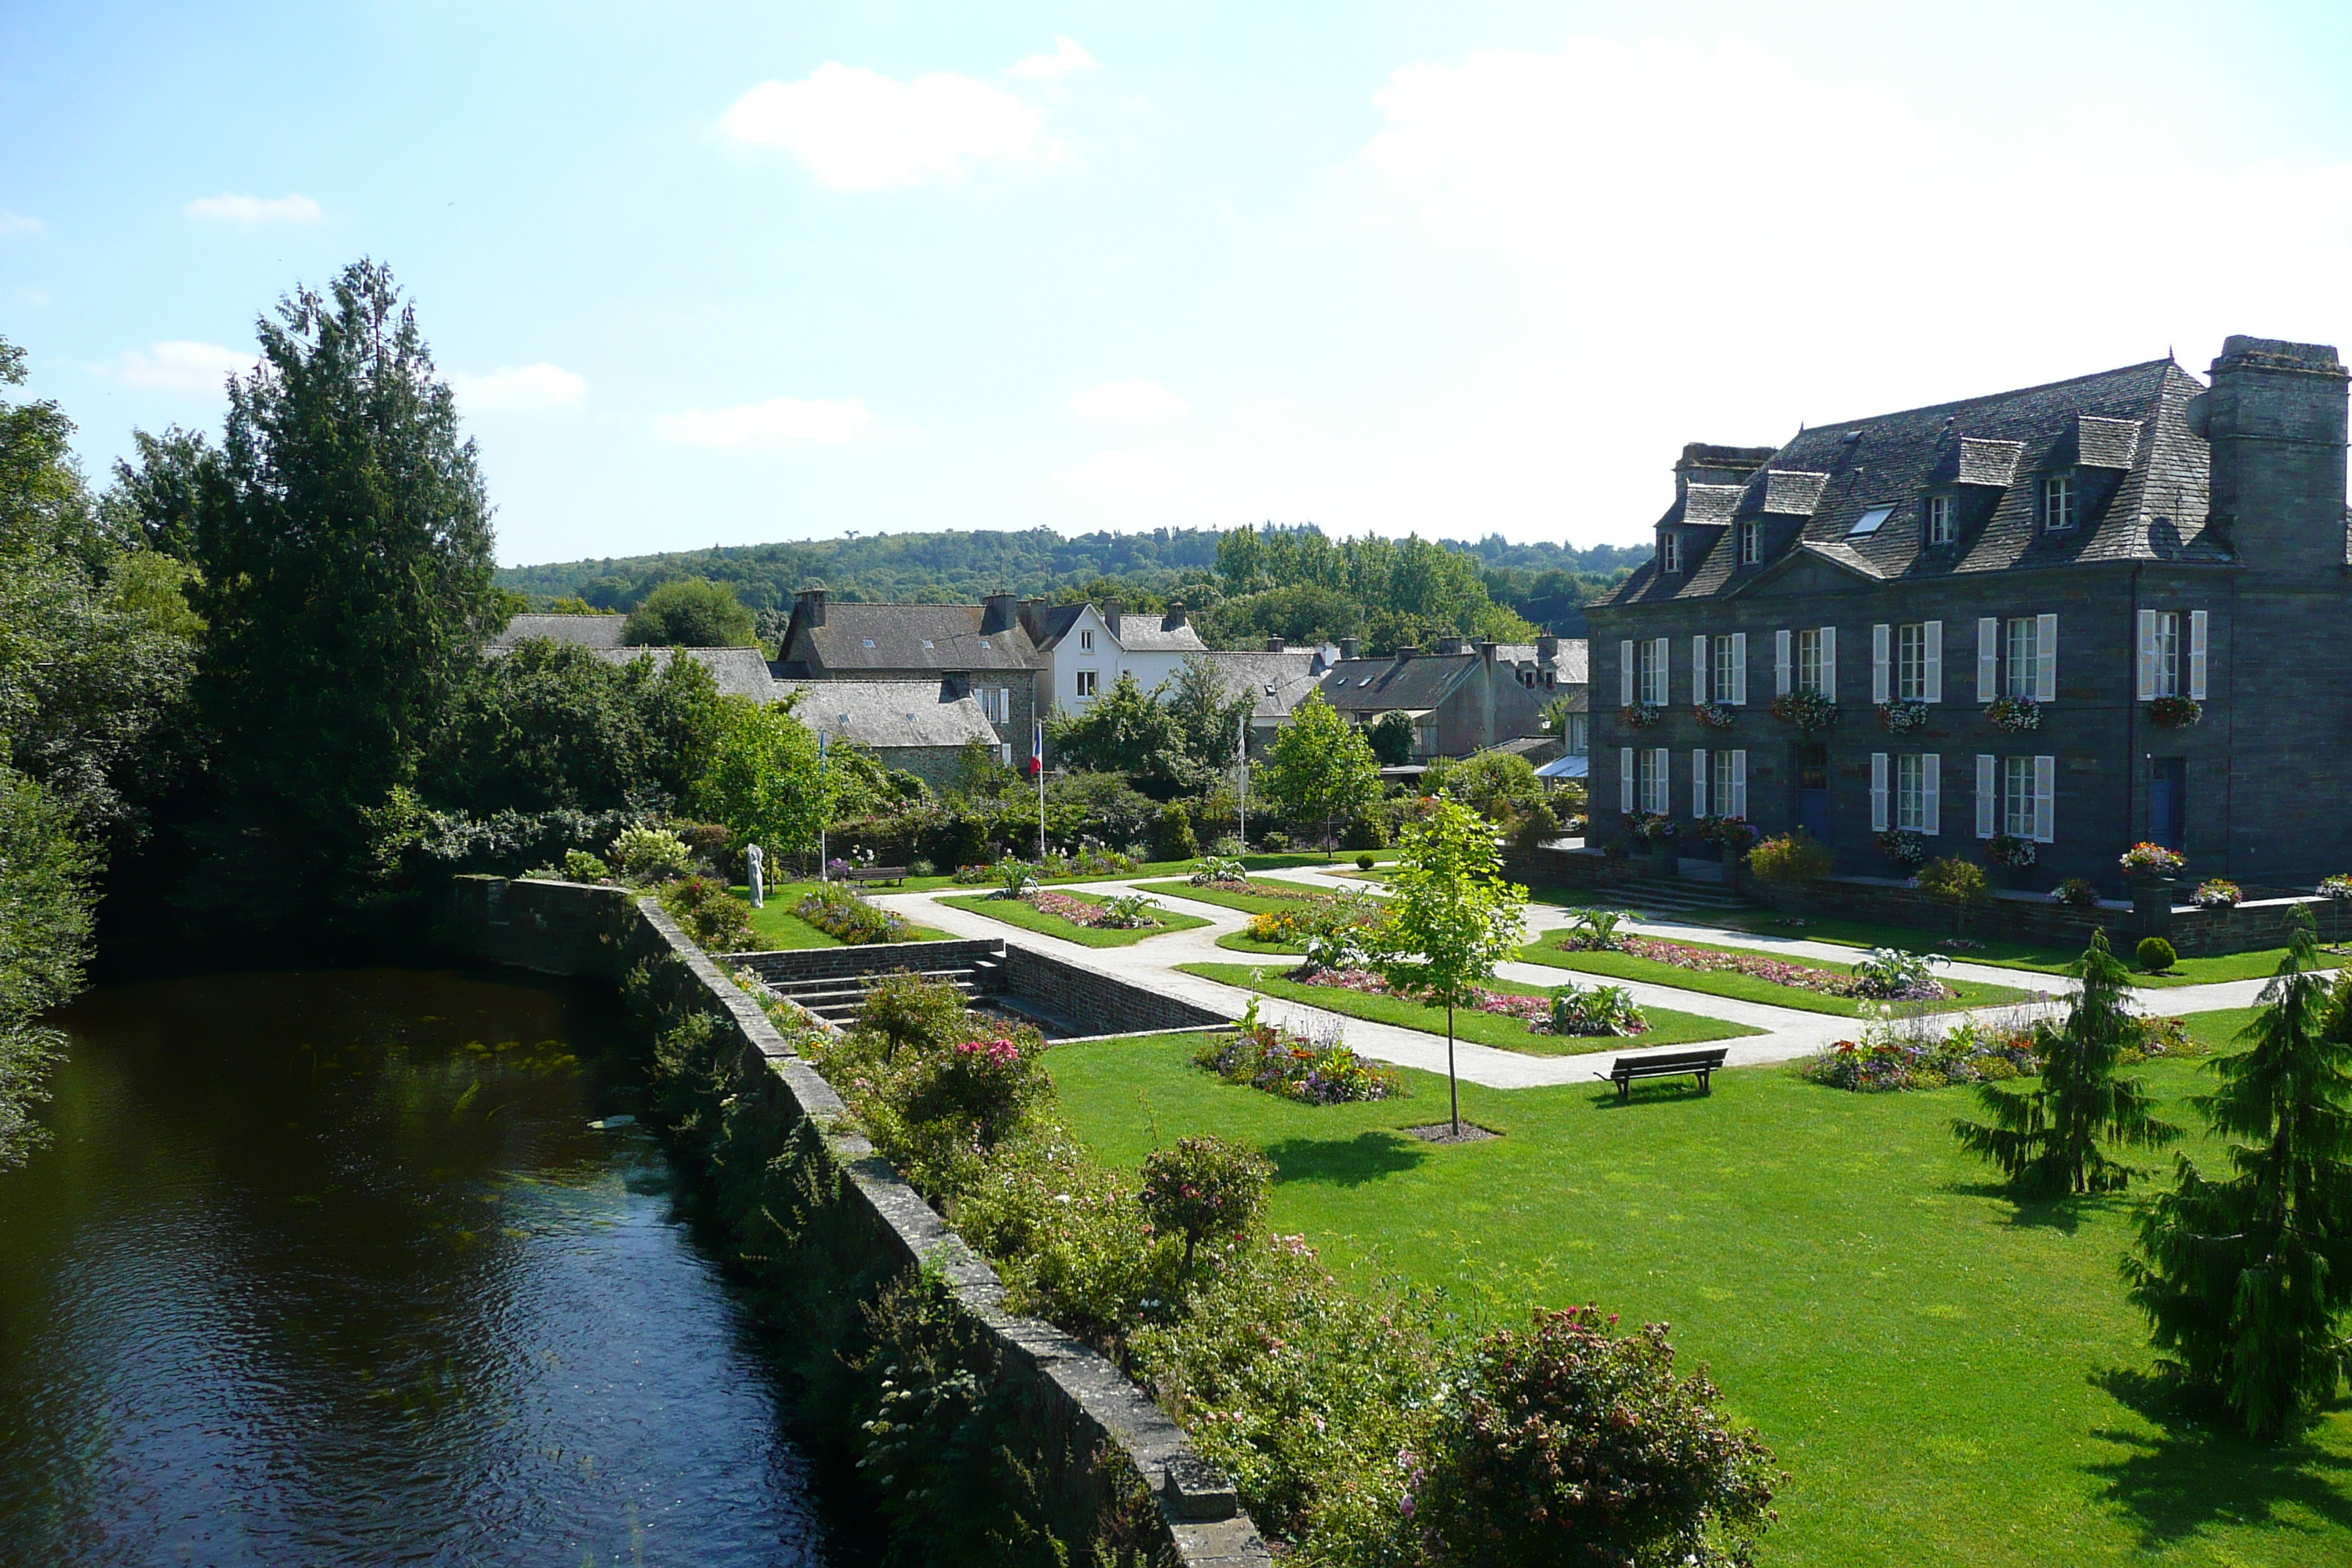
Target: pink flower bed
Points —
{"points": [[1533, 1010], [1077, 911], [1755, 965]]}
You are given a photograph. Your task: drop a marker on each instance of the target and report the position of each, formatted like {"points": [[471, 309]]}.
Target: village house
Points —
{"points": [[2035, 627], [920, 727], [1083, 649], [1460, 698], [982, 650]]}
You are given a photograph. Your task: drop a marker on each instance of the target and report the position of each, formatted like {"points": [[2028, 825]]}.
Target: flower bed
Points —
{"points": [[1760, 966], [1536, 1012], [1888, 1058], [837, 912], [1293, 1067], [1116, 914]]}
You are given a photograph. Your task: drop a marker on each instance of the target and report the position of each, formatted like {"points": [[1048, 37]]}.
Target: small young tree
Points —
{"points": [[1320, 766], [2047, 1139], [765, 782], [690, 611], [1451, 916], [2245, 1279]]}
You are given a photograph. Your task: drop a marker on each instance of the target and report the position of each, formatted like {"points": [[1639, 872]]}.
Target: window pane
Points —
{"points": [[2017, 796], [1910, 797], [1911, 663], [2017, 681]]}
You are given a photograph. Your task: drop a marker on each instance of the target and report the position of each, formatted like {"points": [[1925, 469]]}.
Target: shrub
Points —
{"points": [[1217, 869], [1172, 835], [1790, 860], [1228, 848], [836, 910], [651, 855], [1127, 912], [1595, 1010], [1274, 842], [2155, 954], [1013, 877], [1898, 1053], [978, 1091], [1312, 1072], [1955, 880], [1595, 929], [716, 918], [579, 865], [2217, 894], [1369, 830], [918, 867], [906, 1010], [1561, 1443], [1891, 975], [1204, 1187], [2076, 894], [1365, 862]]}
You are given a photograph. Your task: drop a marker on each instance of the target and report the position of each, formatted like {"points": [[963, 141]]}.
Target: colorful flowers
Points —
{"points": [[1638, 715], [1715, 715], [2217, 894], [1808, 710], [1903, 716], [2175, 712], [1269, 1058], [2151, 860], [2015, 714]]}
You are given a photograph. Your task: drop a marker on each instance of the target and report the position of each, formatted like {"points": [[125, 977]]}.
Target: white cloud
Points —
{"points": [[17, 223], [181, 365], [1134, 398], [1067, 56], [778, 422], [520, 389], [858, 129], [228, 207]]}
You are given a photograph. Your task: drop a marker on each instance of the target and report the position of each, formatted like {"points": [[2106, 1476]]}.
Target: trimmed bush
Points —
{"points": [[1955, 880], [1204, 1188], [2155, 954], [1790, 860], [1171, 837], [1364, 862], [651, 855], [716, 918]]}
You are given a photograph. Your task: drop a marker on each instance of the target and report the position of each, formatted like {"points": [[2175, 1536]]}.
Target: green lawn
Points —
{"points": [[1747, 988], [1952, 1381], [1254, 902], [777, 927], [1666, 1028], [1151, 868], [1028, 917]]}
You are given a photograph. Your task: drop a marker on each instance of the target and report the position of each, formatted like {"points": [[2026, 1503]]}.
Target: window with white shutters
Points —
{"points": [[2021, 658], [1646, 654], [1988, 659], [1914, 793], [1809, 660], [1728, 785], [1627, 661], [2197, 655], [1911, 663], [1781, 666], [1626, 798], [1661, 665], [1698, 669], [1655, 778], [1878, 792], [2166, 650], [1988, 795], [1699, 779], [1881, 663], [1726, 684], [2017, 796], [1739, 668]]}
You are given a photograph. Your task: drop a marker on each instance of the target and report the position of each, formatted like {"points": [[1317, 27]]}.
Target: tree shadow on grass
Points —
{"points": [[1654, 1092], [1370, 1156], [2202, 1471], [2062, 1212]]}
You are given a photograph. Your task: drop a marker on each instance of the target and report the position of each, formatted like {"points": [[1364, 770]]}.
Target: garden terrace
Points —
{"points": [[1809, 985], [1040, 916]]}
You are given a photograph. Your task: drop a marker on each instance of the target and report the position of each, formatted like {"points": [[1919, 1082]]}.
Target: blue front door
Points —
{"points": [[1813, 789], [2167, 801]]}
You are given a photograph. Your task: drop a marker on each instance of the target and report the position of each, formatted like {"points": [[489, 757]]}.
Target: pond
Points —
{"points": [[333, 1269]]}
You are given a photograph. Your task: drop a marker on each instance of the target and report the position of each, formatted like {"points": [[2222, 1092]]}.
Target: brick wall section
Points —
{"points": [[1101, 1001], [797, 965], [565, 928]]}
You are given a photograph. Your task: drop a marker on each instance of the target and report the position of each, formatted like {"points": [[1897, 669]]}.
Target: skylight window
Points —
{"points": [[869, 641], [929, 643], [1868, 522]]}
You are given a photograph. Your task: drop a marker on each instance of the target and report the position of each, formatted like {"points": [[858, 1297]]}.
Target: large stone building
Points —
{"points": [[1999, 616], [1460, 698], [982, 649]]}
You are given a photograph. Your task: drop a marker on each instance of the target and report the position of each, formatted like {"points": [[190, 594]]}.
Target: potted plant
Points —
{"points": [[2015, 714], [1638, 715], [2217, 894], [1903, 716], [2154, 872], [1715, 715], [2010, 855], [2075, 893], [1905, 848], [2175, 712], [1808, 710]]}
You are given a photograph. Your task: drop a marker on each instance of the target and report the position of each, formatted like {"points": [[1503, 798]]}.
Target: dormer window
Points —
{"points": [[2061, 503], [1943, 521], [1751, 542], [1670, 554]]}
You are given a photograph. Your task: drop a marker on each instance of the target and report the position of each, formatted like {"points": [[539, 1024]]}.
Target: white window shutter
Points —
{"points": [[1878, 792], [1662, 782], [1829, 663], [2197, 636], [1988, 796], [1987, 658], [2046, 658], [1931, 789], [1625, 668], [2045, 798], [1698, 784], [1779, 664], [1625, 779], [1739, 669], [1739, 783], [1932, 689], [1698, 669], [1882, 657], [2145, 686]]}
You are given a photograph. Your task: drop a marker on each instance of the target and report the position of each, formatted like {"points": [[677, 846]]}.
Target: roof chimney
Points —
{"points": [[2276, 417], [1705, 464], [996, 611], [1175, 616], [1546, 648], [1111, 611], [1274, 645], [1346, 648], [1406, 650], [1487, 649], [809, 604], [1449, 644]]}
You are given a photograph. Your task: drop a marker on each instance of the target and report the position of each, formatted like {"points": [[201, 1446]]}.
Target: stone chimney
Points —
{"points": [[1449, 644], [1703, 463], [1406, 650], [1348, 648], [1274, 645], [2275, 419], [996, 613], [1175, 616], [955, 687], [1486, 651], [1111, 611], [1546, 648], [1033, 619], [809, 604]]}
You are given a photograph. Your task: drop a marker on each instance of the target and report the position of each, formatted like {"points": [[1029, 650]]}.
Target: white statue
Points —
{"points": [[757, 859]]}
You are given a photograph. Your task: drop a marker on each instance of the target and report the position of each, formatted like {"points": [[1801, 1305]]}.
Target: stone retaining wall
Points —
{"points": [[602, 932], [799, 965], [1104, 1004]]}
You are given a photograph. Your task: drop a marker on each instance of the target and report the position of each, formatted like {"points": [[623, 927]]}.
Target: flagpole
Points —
{"points": [[1241, 758], [1037, 749], [821, 739]]}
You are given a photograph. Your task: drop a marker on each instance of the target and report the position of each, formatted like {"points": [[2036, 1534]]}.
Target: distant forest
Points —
{"points": [[1306, 586]]}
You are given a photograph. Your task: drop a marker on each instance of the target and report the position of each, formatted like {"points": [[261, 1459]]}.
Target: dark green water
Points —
{"points": [[329, 1269]]}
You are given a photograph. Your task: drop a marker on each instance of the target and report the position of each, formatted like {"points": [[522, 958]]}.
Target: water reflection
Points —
{"points": [[330, 1268]]}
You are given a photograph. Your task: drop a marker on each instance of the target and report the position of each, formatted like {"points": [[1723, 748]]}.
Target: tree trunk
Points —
{"points": [[1453, 1085]]}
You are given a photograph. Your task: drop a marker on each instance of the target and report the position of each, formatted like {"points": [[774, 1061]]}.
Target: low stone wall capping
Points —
{"points": [[572, 929]]}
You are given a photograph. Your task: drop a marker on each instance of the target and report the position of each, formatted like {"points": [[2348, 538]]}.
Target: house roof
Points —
{"points": [[1137, 632], [946, 638], [740, 671], [588, 631], [1275, 682], [890, 714], [1571, 664], [2123, 432], [1378, 685]]}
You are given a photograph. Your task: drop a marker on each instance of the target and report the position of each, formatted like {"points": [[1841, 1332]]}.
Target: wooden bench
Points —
{"points": [[878, 873], [1665, 1064]]}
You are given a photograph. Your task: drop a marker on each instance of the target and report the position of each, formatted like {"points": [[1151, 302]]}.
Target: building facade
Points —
{"points": [[1083, 649], [2068, 618], [981, 649], [1460, 698]]}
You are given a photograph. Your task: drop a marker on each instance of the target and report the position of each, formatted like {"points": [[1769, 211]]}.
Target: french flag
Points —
{"points": [[1036, 748]]}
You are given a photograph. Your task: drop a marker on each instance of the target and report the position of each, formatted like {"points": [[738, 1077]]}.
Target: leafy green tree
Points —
{"points": [[45, 924], [2246, 1278], [1124, 730], [1501, 785], [692, 611], [1391, 738], [1320, 766], [1452, 918], [2047, 1139], [763, 781], [1205, 715], [343, 540]]}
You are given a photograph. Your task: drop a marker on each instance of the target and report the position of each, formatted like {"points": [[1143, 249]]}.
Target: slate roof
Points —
{"points": [[945, 638], [588, 631], [1572, 664], [1290, 674], [1379, 685], [740, 671], [2141, 473], [890, 714], [1137, 632]]}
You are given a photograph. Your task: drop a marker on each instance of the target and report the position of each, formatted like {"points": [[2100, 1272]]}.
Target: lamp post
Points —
{"points": [[1037, 757], [820, 738], [1240, 761]]}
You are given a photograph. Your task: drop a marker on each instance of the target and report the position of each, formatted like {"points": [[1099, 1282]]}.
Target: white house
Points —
{"points": [[1084, 649]]}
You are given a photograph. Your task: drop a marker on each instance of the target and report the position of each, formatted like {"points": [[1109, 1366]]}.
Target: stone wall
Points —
{"points": [[799, 965], [602, 932], [1104, 1004]]}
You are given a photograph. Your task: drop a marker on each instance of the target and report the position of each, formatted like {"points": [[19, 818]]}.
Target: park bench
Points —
{"points": [[1665, 1064], [878, 873]]}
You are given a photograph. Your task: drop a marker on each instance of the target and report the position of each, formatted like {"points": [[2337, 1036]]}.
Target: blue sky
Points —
{"points": [[707, 273]]}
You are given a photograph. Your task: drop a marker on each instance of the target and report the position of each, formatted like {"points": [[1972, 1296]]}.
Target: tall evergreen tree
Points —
{"points": [[2047, 1139], [2245, 1279], [343, 539]]}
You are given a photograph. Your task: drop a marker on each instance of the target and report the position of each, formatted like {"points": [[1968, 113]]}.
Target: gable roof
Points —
{"points": [[889, 714], [1379, 685], [1137, 632], [588, 631], [740, 671], [2124, 432], [945, 638], [1275, 682]]}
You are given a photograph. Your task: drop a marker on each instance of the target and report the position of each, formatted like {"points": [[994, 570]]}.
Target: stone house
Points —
{"points": [[1083, 649], [919, 726], [2068, 618], [981, 649], [1460, 700], [1276, 680]]}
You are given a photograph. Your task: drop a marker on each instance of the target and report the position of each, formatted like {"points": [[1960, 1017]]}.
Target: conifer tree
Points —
{"points": [[2245, 1279], [2047, 1139]]}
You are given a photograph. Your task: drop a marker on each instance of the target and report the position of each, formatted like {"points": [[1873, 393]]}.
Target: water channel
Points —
{"points": [[330, 1268]]}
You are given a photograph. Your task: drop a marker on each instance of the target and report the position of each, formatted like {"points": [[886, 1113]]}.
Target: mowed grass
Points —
{"points": [[1263, 897], [1952, 1379], [778, 928], [1028, 917], [1748, 987], [1668, 1028]]}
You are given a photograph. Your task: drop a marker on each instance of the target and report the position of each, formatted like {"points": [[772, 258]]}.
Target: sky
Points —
{"points": [[709, 274]]}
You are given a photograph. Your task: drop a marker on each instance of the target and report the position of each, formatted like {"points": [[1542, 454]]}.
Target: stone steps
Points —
{"points": [[837, 1000]]}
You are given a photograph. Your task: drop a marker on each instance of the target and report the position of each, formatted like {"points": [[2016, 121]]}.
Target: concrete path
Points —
{"points": [[1787, 1033]]}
